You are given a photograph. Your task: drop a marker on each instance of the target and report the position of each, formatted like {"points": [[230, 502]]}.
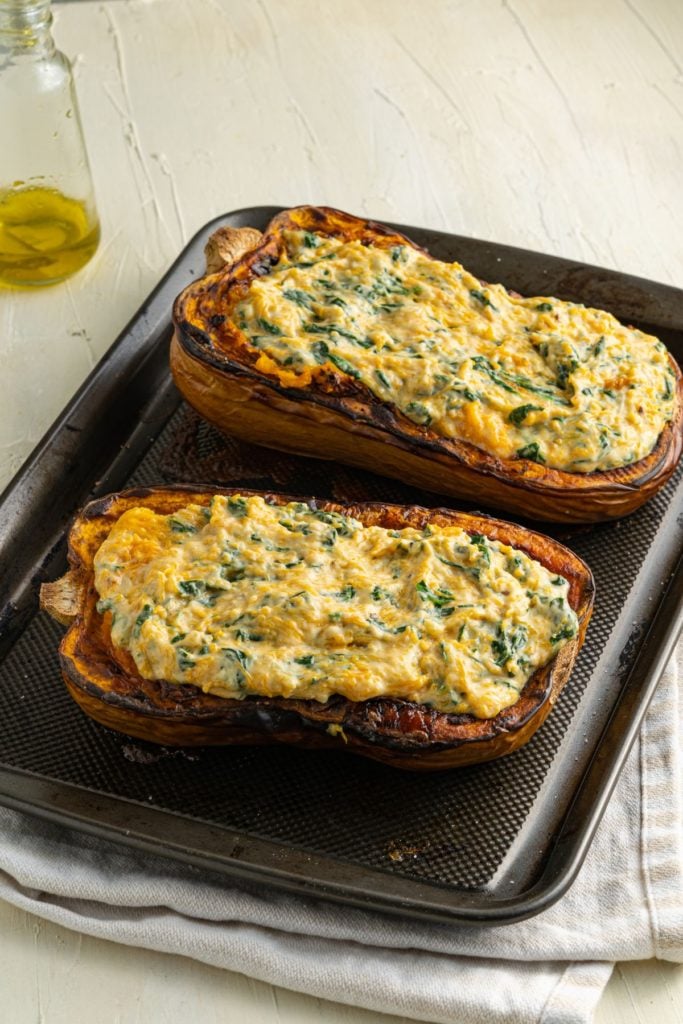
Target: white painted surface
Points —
{"points": [[551, 124]]}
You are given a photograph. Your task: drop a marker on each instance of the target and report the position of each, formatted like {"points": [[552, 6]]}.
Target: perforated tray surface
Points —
{"points": [[492, 842]]}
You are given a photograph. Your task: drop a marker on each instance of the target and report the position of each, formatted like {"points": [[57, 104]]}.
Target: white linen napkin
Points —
{"points": [[626, 904]]}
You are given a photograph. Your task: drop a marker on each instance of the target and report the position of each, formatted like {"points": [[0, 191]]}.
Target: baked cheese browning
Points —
{"points": [[520, 378], [243, 597]]}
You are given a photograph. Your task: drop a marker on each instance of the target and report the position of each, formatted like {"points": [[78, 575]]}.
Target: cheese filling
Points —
{"points": [[246, 598], [521, 378]]}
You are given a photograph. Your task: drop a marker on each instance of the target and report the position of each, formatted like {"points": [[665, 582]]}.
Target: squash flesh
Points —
{"points": [[552, 381], [108, 687], [328, 414], [244, 598]]}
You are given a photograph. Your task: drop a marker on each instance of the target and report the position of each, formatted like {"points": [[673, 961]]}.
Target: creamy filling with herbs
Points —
{"points": [[243, 597], [520, 378]]}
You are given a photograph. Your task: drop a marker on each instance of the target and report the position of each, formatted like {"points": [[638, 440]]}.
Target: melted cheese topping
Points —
{"points": [[243, 597], [520, 378]]}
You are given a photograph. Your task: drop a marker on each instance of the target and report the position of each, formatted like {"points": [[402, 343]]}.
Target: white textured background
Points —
{"points": [[551, 124]]}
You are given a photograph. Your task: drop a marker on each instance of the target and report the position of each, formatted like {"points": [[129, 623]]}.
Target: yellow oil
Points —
{"points": [[45, 236]]}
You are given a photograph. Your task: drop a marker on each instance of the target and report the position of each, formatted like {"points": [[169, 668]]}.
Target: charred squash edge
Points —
{"points": [[108, 688], [336, 417]]}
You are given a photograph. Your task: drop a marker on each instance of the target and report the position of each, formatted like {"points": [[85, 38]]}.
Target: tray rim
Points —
{"points": [[93, 812]]}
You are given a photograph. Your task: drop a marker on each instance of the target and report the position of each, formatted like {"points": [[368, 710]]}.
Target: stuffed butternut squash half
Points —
{"points": [[337, 337], [422, 638]]}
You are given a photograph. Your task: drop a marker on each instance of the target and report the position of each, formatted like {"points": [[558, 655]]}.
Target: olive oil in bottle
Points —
{"points": [[44, 236], [48, 221]]}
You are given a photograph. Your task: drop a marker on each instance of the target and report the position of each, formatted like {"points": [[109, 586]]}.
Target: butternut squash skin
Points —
{"points": [[105, 683], [336, 417]]}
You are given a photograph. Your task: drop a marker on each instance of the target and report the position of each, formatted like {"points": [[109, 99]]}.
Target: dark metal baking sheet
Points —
{"points": [[490, 843]]}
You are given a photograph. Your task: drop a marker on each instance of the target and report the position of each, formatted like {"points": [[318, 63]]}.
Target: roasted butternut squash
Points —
{"points": [[337, 337], [425, 639]]}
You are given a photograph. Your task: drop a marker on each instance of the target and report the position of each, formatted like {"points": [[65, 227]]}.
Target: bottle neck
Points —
{"points": [[25, 27]]}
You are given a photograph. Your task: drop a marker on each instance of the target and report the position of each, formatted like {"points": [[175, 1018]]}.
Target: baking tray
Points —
{"points": [[490, 843]]}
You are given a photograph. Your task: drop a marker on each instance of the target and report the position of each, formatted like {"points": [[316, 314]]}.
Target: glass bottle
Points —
{"points": [[48, 222]]}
